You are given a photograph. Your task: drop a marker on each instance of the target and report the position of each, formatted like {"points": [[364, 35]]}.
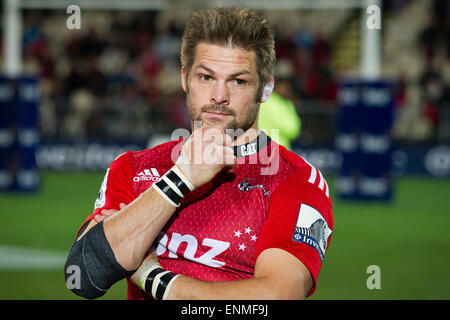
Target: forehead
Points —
{"points": [[226, 59]]}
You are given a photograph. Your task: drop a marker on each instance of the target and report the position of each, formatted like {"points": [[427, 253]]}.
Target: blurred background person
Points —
{"points": [[279, 111]]}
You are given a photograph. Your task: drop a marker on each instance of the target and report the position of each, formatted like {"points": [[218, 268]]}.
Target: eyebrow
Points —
{"points": [[245, 71]]}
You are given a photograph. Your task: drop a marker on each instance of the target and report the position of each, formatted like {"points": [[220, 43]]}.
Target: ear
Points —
{"points": [[183, 79], [267, 91]]}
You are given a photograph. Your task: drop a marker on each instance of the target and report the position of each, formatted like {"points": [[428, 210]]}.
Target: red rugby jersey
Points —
{"points": [[273, 199]]}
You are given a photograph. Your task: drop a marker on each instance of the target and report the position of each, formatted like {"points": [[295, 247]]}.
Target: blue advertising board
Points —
{"points": [[363, 139], [19, 135]]}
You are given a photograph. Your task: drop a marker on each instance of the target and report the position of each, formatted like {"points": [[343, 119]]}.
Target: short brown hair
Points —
{"points": [[240, 27]]}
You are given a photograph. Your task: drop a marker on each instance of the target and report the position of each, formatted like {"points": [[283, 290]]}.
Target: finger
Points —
{"points": [[108, 212], [99, 218], [122, 205], [198, 124], [228, 140], [225, 155], [230, 158], [214, 135], [211, 154], [198, 131]]}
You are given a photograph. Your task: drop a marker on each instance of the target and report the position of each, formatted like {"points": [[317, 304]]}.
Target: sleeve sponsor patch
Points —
{"points": [[312, 229], [100, 202]]}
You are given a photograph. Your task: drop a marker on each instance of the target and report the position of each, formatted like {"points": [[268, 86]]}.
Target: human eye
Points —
{"points": [[240, 82], [204, 77]]}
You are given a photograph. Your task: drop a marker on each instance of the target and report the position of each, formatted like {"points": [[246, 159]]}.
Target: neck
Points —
{"points": [[249, 135]]}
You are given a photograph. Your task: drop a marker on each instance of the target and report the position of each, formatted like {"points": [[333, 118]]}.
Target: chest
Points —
{"points": [[218, 224]]}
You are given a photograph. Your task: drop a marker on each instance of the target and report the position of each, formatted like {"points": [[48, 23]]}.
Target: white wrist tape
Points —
{"points": [[183, 177], [169, 285], [153, 279], [173, 186], [157, 281], [145, 269]]}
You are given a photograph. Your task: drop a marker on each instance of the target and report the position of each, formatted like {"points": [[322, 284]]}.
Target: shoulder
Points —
{"points": [[165, 152], [128, 162], [302, 176]]}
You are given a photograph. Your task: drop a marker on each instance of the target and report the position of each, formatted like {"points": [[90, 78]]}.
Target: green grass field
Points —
{"points": [[408, 239]]}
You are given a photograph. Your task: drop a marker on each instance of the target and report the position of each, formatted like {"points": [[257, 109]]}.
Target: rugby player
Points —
{"points": [[225, 213]]}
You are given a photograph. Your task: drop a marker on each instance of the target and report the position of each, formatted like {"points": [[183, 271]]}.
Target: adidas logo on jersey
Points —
{"points": [[148, 175]]}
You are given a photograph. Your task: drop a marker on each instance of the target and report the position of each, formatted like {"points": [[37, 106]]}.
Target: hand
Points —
{"points": [[108, 212], [205, 154]]}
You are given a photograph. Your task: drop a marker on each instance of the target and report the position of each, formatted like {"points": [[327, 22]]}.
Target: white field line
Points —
{"points": [[21, 258]]}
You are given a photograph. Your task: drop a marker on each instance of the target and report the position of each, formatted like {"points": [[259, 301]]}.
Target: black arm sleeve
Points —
{"points": [[93, 259]]}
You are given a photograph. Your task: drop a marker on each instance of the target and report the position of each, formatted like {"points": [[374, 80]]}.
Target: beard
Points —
{"points": [[238, 122]]}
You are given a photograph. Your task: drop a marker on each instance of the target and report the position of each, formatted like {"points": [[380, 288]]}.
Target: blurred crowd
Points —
{"points": [[434, 44], [124, 84], [117, 79], [114, 81]]}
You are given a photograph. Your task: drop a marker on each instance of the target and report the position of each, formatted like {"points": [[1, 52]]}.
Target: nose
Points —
{"points": [[220, 94]]}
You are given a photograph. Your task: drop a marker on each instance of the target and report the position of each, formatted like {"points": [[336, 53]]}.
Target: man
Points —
{"points": [[223, 214]]}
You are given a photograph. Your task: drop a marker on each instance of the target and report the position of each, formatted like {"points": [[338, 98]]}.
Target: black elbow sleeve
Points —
{"points": [[91, 268]]}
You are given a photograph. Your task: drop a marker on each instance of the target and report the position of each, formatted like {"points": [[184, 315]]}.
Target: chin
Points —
{"points": [[221, 125]]}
